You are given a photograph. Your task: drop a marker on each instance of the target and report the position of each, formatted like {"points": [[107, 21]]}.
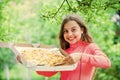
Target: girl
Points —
{"points": [[76, 41]]}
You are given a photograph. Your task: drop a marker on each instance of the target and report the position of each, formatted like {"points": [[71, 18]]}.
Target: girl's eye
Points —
{"points": [[73, 30], [65, 31]]}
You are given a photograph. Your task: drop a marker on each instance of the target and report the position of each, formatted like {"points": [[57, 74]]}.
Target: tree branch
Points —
{"points": [[59, 8], [69, 5]]}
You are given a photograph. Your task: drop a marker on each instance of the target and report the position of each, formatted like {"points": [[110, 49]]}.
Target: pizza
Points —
{"points": [[43, 57]]}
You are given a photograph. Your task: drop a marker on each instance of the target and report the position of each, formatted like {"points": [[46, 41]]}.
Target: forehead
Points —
{"points": [[71, 24]]}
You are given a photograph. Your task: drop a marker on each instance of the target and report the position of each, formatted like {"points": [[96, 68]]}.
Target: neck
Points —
{"points": [[76, 44]]}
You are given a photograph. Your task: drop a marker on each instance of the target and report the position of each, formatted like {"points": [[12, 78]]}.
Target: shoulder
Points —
{"points": [[93, 46]]}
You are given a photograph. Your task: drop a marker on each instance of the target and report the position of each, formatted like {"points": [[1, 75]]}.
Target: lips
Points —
{"points": [[71, 40]]}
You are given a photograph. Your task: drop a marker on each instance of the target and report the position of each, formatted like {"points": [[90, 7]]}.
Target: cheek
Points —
{"points": [[64, 36], [79, 35]]}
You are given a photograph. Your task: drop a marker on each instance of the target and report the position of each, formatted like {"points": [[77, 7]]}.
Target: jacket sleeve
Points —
{"points": [[46, 73], [96, 57]]}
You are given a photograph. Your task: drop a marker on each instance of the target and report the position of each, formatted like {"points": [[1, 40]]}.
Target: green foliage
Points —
{"points": [[6, 57], [3, 33], [39, 22], [113, 72]]}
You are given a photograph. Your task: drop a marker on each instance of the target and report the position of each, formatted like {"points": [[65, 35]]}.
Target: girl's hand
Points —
{"points": [[18, 59], [71, 59], [75, 56]]}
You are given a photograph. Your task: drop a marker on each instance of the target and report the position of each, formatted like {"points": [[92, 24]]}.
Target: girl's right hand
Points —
{"points": [[18, 59], [72, 58], [76, 56]]}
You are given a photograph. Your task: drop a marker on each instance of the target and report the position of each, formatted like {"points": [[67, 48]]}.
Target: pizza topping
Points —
{"points": [[41, 56]]}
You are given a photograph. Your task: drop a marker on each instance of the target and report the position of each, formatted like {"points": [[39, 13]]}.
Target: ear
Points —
{"points": [[82, 30]]}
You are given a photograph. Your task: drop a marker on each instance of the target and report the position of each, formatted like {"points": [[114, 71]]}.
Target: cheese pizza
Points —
{"points": [[41, 56]]}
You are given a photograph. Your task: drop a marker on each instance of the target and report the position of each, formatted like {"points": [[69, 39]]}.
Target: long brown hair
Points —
{"points": [[85, 35]]}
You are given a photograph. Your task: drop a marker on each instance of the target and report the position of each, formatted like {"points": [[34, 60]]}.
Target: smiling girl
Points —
{"points": [[78, 44]]}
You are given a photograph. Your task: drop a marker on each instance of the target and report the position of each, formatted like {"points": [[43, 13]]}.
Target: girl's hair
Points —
{"points": [[85, 35]]}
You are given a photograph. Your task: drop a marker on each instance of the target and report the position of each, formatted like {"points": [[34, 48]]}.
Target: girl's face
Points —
{"points": [[72, 32]]}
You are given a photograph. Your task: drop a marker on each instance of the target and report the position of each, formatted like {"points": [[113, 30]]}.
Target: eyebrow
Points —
{"points": [[74, 27], [71, 27]]}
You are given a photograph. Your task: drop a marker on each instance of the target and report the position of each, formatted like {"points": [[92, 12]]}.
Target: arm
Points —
{"points": [[46, 73], [93, 55], [96, 57]]}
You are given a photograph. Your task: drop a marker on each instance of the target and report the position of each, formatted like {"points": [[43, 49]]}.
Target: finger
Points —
{"points": [[19, 59], [68, 60]]}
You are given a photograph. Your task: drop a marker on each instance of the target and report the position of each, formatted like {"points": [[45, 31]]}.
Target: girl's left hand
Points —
{"points": [[18, 59]]}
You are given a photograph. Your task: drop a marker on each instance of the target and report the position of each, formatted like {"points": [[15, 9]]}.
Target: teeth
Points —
{"points": [[70, 38]]}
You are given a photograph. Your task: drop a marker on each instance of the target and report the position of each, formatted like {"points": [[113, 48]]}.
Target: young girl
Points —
{"points": [[76, 41]]}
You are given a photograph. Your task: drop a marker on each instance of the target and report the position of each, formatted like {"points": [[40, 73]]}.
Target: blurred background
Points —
{"points": [[38, 22]]}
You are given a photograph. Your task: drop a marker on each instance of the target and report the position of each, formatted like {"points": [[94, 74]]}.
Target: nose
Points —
{"points": [[69, 33]]}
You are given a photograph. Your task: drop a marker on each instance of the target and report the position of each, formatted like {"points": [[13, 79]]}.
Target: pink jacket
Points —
{"points": [[92, 57]]}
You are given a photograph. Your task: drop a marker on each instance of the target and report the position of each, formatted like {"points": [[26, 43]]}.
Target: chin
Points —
{"points": [[72, 42]]}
